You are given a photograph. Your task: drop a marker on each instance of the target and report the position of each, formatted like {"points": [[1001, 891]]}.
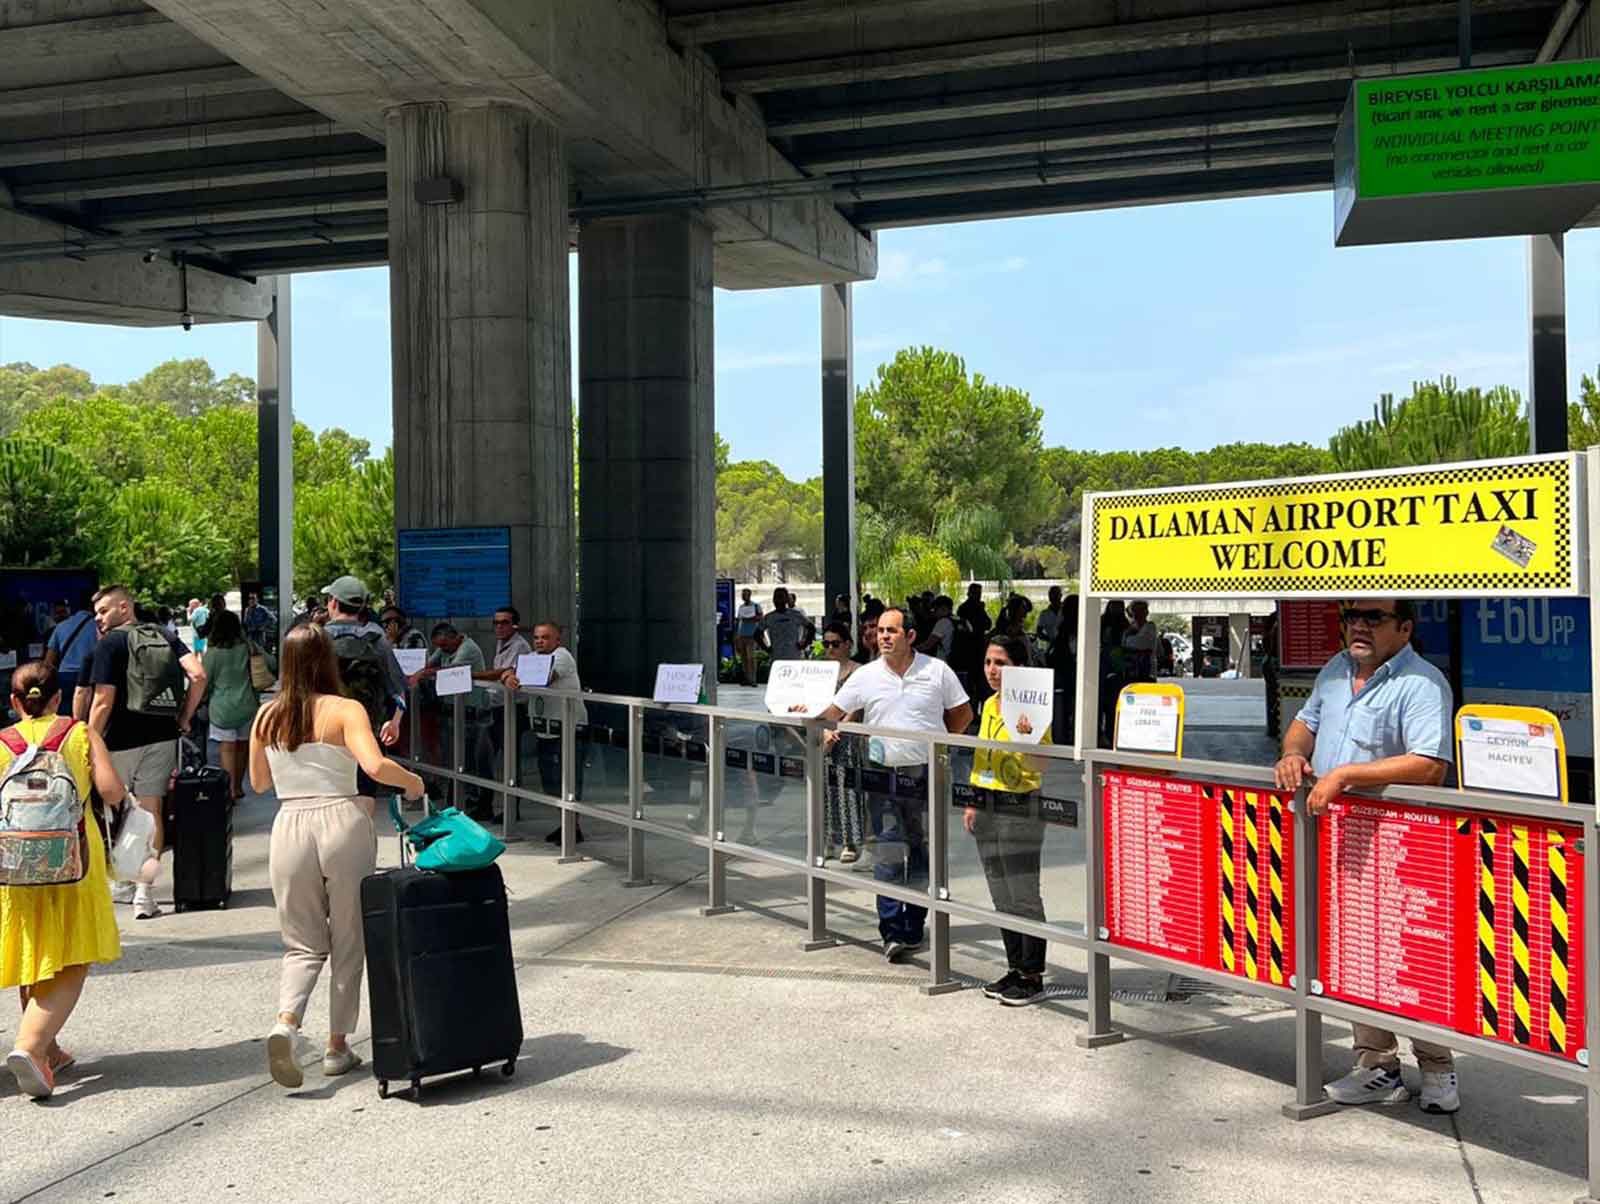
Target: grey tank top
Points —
{"points": [[314, 770]]}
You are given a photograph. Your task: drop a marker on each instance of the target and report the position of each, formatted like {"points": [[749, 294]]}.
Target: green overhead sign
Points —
{"points": [[1515, 150]]}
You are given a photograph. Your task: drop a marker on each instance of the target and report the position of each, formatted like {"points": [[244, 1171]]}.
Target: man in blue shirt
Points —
{"points": [[71, 648], [1379, 715]]}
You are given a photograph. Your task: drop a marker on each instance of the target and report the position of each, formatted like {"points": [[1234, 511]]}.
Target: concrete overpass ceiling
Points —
{"points": [[924, 111], [131, 133]]}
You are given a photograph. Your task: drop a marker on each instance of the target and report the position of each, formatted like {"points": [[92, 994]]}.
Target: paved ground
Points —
{"points": [[671, 1057]]}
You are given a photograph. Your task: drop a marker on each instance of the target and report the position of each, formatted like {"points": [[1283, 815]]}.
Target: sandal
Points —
{"points": [[61, 1060], [850, 854]]}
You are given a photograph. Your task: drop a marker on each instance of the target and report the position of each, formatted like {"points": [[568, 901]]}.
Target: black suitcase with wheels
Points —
{"points": [[440, 982], [199, 819]]}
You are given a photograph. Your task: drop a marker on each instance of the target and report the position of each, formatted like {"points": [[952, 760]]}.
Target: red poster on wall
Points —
{"points": [[1469, 922], [1201, 873], [1308, 634]]}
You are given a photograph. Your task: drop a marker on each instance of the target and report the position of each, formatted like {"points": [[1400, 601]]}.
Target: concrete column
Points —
{"points": [[838, 447], [275, 451], [1239, 643], [646, 473], [1547, 343], [479, 320]]}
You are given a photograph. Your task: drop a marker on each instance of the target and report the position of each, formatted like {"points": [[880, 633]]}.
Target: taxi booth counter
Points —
{"points": [[1464, 917]]}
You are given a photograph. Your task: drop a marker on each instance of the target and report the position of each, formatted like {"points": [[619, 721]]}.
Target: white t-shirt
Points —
{"points": [[944, 631], [915, 702], [563, 677], [1049, 624]]}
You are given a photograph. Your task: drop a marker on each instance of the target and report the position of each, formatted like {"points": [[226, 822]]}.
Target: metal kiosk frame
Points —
{"points": [[1305, 992]]}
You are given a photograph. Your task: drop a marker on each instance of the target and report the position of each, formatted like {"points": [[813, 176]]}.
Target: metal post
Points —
{"points": [[1098, 1008], [509, 763], [1309, 1098], [939, 980], [569, 786], [275, 456], [838, 447], [816, 793], [458, 746], [1547, 343], [1591, 863], [717, 862], [636, 874], [1464, 32]]}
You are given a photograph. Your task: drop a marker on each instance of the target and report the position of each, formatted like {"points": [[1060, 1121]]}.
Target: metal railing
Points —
{"points": [[652, 737]]}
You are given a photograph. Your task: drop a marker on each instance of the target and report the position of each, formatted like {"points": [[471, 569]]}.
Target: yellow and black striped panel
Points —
{"points": [[1560, 936], [1488, 983], [1275, 885], [1226, 864], [1252, 888], [1521, 976]]}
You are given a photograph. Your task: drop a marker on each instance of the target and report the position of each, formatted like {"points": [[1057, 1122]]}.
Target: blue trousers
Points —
{"points": [[901, 858]]}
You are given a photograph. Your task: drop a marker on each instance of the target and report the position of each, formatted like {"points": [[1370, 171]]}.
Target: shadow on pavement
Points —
{"points": [[198, 1067], [541, 1060]]}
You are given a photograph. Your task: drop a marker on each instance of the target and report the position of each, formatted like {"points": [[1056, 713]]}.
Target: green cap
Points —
{"points": [[352, 591]]}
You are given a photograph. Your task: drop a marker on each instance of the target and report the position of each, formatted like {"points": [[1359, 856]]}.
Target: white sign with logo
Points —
{"points": [[801, 687], [457, 679], [533, 668], [678, 683], [412, 660], [1031, 693], [1148, 722], [1510, 755]]}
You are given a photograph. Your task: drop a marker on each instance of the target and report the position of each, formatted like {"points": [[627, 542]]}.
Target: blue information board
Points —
{"points": [[461, 572], [1531, 652]]}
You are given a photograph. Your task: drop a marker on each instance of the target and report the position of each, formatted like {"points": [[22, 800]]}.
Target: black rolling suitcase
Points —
{"points": [[440, 983], [199, 818]]}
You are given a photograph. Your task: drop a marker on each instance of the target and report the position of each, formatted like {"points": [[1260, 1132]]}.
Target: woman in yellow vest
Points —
{"points": [[49, 935], [1009, 831]]}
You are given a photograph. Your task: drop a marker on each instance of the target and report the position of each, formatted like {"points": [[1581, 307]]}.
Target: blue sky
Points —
{"points": [[1184, 325]]}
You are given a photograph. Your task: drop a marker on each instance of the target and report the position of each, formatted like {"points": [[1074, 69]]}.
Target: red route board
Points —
{"points": [[1308, 634], [1191, 877], [1412, 924]]}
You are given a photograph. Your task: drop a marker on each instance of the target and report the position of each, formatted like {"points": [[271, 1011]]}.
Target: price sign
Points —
{"points": [[457, 679], [1029, 692], [533, 668], [411, 660], [807, 685], [1150, 718], [678, 683], [1517, 750]]}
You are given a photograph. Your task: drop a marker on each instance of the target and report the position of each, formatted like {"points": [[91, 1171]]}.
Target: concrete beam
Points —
{"points": [[156, 139], [1071, 137], [235, 204], [120, 34], [118, 289], [95, 93], [813, 16], [1116, 90], [636, 115], [201, 176], [1206, 32]]}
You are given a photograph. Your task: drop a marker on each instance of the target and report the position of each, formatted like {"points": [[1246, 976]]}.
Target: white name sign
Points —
{"points": [[678, 683], [412, 660], [1027, 693], [1511, 756], [533, 668], [457, 679], [1148, 722], [801, 687]]}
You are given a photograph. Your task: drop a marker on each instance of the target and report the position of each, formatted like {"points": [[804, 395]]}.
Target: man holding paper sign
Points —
{"points": [[561, 669], [1378, 715]]}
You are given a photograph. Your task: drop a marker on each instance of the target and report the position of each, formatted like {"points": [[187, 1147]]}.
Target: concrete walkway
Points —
{"points": [[671, 1057]]}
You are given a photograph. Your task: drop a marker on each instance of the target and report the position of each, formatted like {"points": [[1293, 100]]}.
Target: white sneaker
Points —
{"points": [[144, 904], [1369, 1085], [1439, 1093], [122, 892], [343, 1062], [287, 1047]]}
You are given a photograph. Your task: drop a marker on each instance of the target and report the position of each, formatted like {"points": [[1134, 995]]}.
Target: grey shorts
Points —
{"points": [[146, 771]]}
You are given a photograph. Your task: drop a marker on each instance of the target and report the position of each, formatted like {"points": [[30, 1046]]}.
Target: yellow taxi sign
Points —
{"points": [[1468, 530]]}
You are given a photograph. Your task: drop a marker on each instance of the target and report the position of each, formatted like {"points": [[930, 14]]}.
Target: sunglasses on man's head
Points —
{"points": [[1372, 617]]}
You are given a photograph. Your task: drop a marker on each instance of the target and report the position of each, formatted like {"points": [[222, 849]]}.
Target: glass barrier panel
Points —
{"points": [[764, 786], [1016, 846], [895, 843], [600, 749], [676, 756]]}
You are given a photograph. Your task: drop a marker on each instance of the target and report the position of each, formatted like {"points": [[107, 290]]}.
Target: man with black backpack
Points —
{"points": [[367, 665], [147, 687]]}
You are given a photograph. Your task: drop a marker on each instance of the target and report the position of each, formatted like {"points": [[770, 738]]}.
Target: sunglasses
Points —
{"points": [[1371, 617], [833, 643], [504, 623]]}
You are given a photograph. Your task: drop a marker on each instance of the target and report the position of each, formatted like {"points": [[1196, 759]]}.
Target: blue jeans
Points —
{"points": [[901, 858]]}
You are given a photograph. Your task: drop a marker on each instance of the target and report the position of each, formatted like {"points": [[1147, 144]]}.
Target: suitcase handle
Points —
{"points": [[401, 827]]}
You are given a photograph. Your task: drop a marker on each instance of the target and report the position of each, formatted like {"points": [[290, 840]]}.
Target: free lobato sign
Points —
{"points": [[1479, 529]]}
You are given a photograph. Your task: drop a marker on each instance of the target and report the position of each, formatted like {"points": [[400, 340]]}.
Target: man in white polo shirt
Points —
{"points": [[910, 691]]}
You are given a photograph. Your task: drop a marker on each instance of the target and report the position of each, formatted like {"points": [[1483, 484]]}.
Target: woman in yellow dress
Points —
{"points": [[49, 935]]}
